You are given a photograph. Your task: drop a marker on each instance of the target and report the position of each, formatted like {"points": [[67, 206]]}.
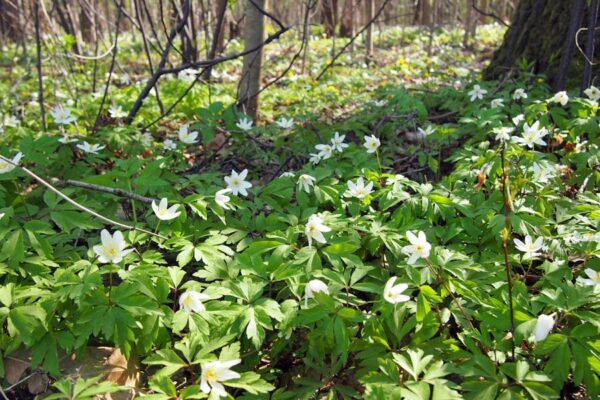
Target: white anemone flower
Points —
{"points": [[285, 123], [519, 94], [427, 131], [541, 174], [187, 137], [62, 115], [237, 183], [419, 247], [497, 103], [306, 182], [477, 93], [6, 167], [168, 144], [315, 228], [315, 286], [12, 122], [65, 139], [372, 143], [112, 248], [593, 93], [502, 133], [222, 199], [146, 139], [359, 189], [117, 112], [337, 142], [90, 148], [543, 326], [561, 98], [593, 277], [191, 301], [164, 212], [531, 135], [244, 124], [315, 158], [392, 180], [325, 151], [288, 174], [393, 293], [518, 119], [215, 372], [529, 247]]}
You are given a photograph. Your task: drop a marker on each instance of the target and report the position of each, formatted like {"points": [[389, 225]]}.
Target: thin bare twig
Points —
{"points": [[491, 15], [104, 189], [75, 203]]}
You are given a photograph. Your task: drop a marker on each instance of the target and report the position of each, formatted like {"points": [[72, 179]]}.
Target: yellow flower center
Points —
{"points": [[162, 211], [597, 276], [235, 182], [211, 375], [3, 164], [112, 251]]}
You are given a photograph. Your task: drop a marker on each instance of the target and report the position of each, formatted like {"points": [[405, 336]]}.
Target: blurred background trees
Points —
{"points": [[541, 33]]}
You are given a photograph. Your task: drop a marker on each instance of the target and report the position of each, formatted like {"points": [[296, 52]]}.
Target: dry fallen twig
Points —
{"points": [[78, 205]]}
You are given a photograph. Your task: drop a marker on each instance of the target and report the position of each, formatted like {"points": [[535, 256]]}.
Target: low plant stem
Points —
{"points": [[507, 228]]}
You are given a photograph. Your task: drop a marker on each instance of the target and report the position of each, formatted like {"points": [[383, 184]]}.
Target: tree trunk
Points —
{"points": [[347, 22], [426, 13], [330, 16], [468, 22], [217, 36], [254, 32], [542, 32], [369, 11], [589, 45]]}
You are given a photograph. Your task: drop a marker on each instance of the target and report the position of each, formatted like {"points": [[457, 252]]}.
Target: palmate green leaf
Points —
{"points": [[480, 389], [167, 358], [82, 389], [13, 249], [251, 382]]}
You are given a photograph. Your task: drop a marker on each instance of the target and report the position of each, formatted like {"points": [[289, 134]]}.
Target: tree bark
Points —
{"points": [[589, 46], [369, 11], [347, 22], [541, 31], [254, 33], [217, 36], [330, 16]]}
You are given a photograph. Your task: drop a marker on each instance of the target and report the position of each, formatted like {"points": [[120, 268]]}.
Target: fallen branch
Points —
{"points": [[76, 204], [104, 189]]}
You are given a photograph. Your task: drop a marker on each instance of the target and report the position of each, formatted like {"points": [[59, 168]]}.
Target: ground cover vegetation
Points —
{"points": [[393, 227]]}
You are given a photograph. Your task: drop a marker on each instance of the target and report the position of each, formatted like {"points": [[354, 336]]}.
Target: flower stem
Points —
{"points": [[440, 276], [155, 233], [507, 228], [379, 167]]}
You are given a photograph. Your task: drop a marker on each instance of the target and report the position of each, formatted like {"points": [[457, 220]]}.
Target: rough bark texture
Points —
{"points": [[330, 16], [254, 32], [538, 34], [347, 22], [369, 11]]}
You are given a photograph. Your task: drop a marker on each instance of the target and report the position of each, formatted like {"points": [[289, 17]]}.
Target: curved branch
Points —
{"points": [[76, 204]]}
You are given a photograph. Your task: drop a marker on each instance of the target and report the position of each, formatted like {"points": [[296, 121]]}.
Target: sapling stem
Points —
{"points": [[507, 228]]}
